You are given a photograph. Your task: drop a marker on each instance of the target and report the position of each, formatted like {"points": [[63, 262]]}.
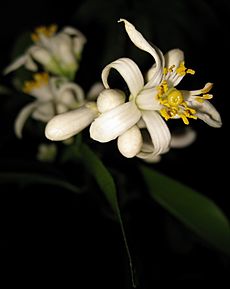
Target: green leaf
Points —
{"points": [[197, 212], [33, 178], [106, 183]]}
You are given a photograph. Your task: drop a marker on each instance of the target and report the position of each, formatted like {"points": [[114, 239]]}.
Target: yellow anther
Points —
{"points": [[165, 70], [182, 70], [184, 118], [164, 113], [202, 98], [43, 30], [190, 71], [175, 97], [40, 79], [171, 68]]}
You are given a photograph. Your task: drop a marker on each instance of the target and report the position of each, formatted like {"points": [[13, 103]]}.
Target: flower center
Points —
{"points": [[45, 31], [174, 105], [40, 79]]}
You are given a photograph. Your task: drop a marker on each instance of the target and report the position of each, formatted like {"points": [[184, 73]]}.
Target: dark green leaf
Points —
{"points": [[33, 178], [197, 212], [107, 185]]}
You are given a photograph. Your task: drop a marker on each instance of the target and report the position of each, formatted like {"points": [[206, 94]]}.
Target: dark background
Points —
{"points": [[48, 233]]}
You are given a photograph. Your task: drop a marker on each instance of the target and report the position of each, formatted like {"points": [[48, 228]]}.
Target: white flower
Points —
{"points": [[52, 96], [59, 53], [139, 123], [66, 125]]}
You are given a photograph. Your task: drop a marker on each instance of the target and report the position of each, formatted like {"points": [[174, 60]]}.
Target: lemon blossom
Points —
{"points": [[53, 95], [59, 53], [63, 126], [139, 123]]}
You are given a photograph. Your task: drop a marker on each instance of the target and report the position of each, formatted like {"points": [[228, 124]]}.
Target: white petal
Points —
{"points": [[44, 112], [130, 142], [149, 158], [111, 124], [138, 40], [41, 55], [109, 99], [22, 117], [147, 99], [158, 131], [62, 49], [65, 125], [74, 89], [207, 112], [95, 90], [42, 93], [150, 73], [174, 57], [30, 64], [147, 154], [184, 139], [16, 64], [78, 39], [129, 70]]}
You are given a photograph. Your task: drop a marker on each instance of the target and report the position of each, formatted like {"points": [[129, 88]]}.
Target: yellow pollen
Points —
{"points": [[43, 30], [40, 79], [182, 70]]}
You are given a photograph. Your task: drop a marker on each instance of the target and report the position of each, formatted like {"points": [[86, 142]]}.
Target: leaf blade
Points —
{"points": [[196, 211]]}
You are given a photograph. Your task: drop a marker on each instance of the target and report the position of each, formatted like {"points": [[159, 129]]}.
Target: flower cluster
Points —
{"points": [[138, 120]]}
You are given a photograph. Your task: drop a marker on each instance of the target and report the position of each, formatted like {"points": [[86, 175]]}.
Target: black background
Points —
{"points": [[48, 234]]}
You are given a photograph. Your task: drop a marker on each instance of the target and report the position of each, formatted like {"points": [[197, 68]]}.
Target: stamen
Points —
{"points": [[174, 104], [40, 79], [202, 98], [43, 30], [182, 70]]}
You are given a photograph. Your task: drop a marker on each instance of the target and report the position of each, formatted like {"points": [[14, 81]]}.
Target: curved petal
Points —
{"points": [[158, 131], [184, 139], [41, 55], [147, 150], [79, 39], [207, 112], [22, 117], [94, 91], [173, 58], [149, 158], [129, 70], [61, 48], [109, 99], [130, 142], [76, 91], [147, 99], [138, 40], [44, 112], [21, 60], [65, 125], [30, 64], [111, 124]]}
